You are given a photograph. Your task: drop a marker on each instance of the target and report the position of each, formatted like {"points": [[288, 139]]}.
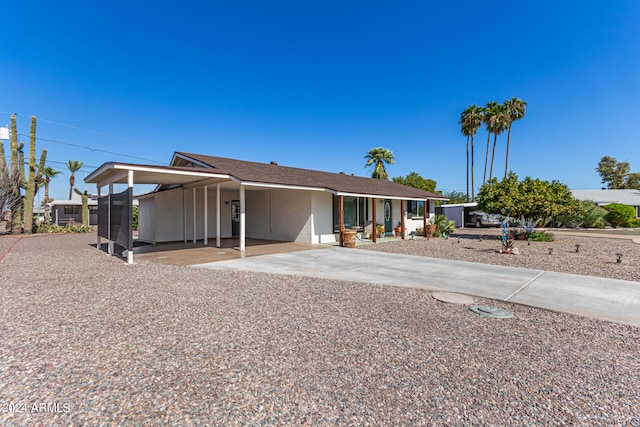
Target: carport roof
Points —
{"points": [[117, 173], [266, 173]]}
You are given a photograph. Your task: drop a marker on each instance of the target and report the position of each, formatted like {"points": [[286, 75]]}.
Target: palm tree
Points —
{"points": [[499, 120], [488, 117], [378, 157], [516, 109], [73, 166], [470, 121], [49, 173]]}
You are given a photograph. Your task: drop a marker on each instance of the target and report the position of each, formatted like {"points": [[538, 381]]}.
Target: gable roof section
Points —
{"points": [[263, 173]]}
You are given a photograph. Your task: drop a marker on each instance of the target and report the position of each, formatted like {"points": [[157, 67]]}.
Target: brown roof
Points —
{"points": [[285, 175]]}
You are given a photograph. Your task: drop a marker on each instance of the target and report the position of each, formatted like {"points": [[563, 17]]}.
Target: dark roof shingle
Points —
{"points": [[284, 175]]}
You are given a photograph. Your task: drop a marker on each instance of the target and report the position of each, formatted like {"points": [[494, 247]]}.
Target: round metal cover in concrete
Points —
{"points": [[452, 298], [490, 311]]}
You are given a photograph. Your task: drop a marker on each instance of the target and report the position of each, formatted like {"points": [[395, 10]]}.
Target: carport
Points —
{"points": [[187, 177]]}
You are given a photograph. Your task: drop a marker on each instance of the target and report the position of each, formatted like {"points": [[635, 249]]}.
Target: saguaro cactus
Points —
{"points": [[16, 177], [34, 177], [85, 206]]}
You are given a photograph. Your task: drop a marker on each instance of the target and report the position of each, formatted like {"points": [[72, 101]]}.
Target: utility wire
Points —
{"points": [[91, 148], [84, 146]]}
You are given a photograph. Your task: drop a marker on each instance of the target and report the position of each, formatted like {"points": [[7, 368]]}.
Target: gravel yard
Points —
{"points": [[102, 342], [596, 256]]}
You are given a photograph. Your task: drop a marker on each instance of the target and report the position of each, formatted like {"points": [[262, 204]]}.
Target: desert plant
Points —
{"points": [[587, 214], [85, 206], [134, 218], [34, 178], [539, 236], [444, 225], [619, 214]]}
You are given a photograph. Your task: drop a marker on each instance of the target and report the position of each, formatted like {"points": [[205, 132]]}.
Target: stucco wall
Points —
{"points": [[322, 217], [277, 214], [146, 220]]}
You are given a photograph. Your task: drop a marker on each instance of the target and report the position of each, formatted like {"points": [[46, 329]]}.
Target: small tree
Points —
{"points": [[415, 180], [531, 199]]}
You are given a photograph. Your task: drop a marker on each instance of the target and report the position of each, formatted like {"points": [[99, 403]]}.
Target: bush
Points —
{"points": [[587, 214], [633, 223], [619, 214], [539, 236], [71, 228], [444, 225], [134, 218]]}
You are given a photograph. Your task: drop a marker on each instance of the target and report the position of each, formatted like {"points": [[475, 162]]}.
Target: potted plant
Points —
{"points": [[380, 230], [431, 227]]}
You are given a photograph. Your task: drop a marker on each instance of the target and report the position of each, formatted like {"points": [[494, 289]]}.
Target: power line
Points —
{"points": [[84, 146], [91, 148], [78, 128]]}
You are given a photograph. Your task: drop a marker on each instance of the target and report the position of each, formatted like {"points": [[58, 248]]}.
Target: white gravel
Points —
{"points": [[152, 344], [596, 256]]}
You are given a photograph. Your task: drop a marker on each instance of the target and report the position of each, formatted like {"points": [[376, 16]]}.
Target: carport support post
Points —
{"points": [[206, 220], [217, 215], [374, 229], [98, 241], [242, 218], [130, 249], [341, 218], [194, 215], [424, 217], [402, 219], [110, 244]]}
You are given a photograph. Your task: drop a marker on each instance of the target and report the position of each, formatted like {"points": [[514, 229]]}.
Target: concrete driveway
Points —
{"points": [[600, 298]]}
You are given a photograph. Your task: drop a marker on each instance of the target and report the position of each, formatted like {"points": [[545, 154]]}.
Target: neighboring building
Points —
{"points": [[64, 212], [605, 197], [458, 213], [200, 197]]}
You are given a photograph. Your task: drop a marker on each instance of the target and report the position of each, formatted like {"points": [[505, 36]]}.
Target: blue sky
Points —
{"points": [[316, 85]]}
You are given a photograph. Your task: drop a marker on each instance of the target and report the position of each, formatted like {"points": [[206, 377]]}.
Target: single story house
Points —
{"points": [[262, 201], [605, 197], [63, 212]]}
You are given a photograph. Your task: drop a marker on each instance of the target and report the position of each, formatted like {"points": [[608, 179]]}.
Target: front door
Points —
{"points": [[388, 221], [235, 218]]}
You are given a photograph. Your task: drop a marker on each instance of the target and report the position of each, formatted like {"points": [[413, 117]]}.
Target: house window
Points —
{"points": [[356, 211], [415, 208], [72, 210], [93, 210]]}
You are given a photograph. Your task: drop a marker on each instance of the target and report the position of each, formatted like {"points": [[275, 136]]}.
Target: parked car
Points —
{"points": [[483, 219]]}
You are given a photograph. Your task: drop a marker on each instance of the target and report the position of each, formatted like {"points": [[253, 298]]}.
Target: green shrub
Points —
{"points": [[444, 225], [633, 223], [71, 228], [134, 217], [539, 236], [619, 214], [586, 214]]}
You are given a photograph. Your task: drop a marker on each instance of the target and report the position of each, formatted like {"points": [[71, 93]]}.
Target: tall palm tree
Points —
{"points": [[498, 125], [516, 109], [378, 157], [470, 122], [49, 173], [488, 118], [73, 166]]}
